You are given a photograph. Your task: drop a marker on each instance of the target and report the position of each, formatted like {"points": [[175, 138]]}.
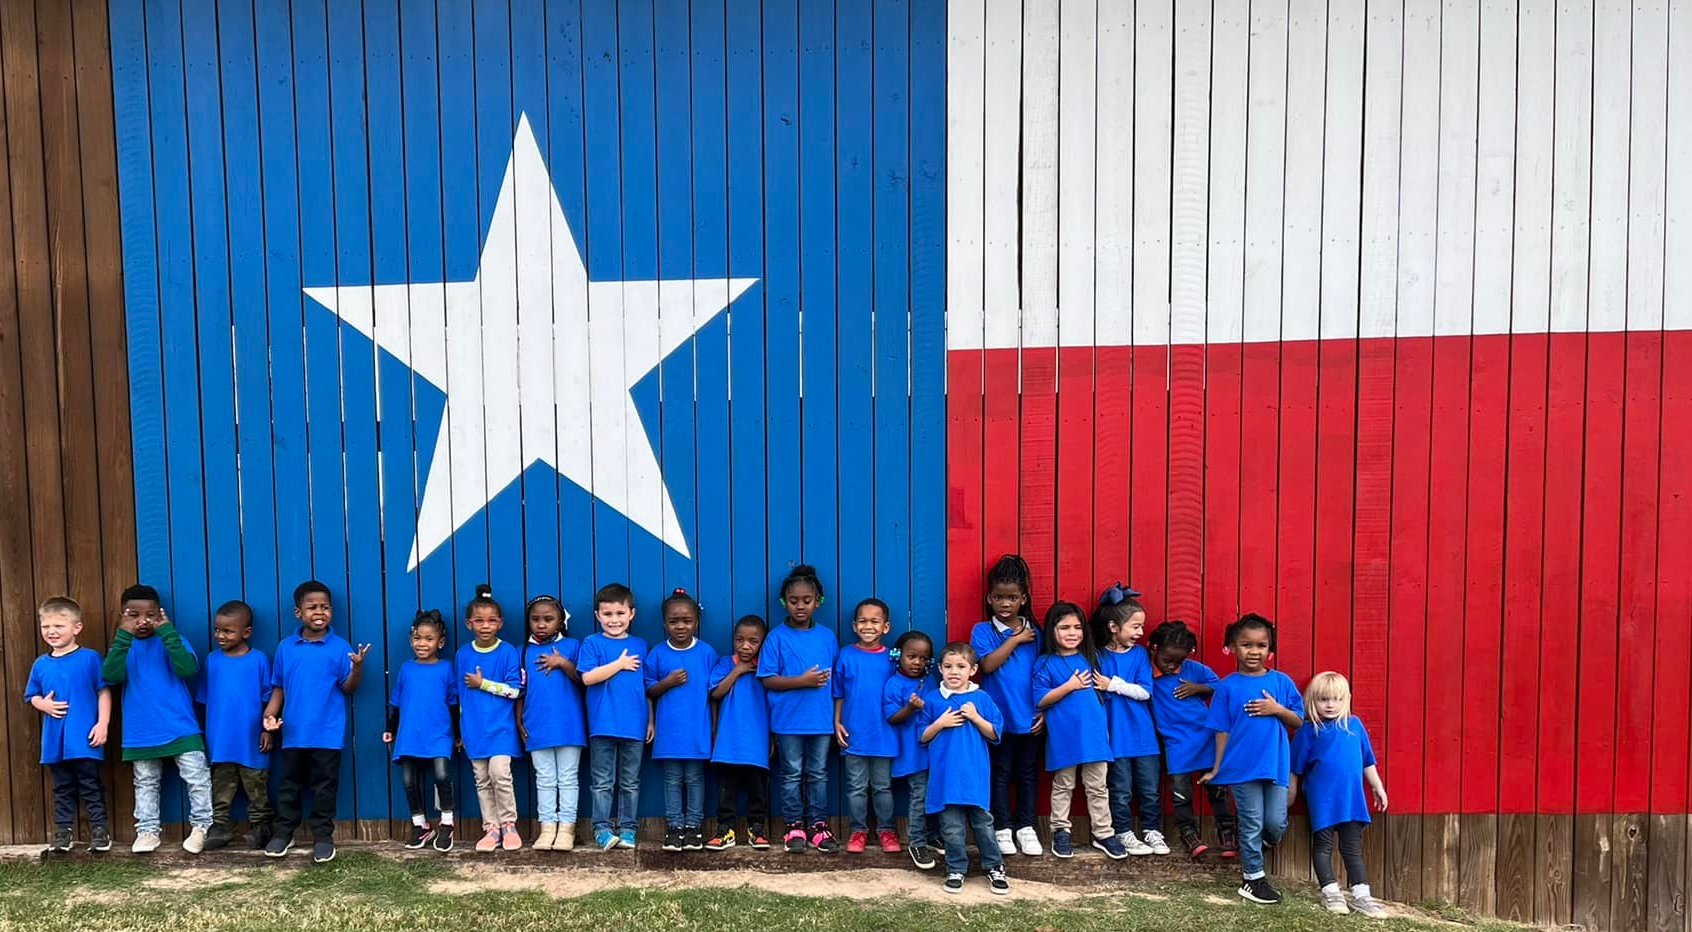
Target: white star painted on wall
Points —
{"points": [[536, 362]]}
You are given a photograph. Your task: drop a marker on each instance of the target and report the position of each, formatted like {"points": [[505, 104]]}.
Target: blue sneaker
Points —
{"points": [[1060, 844], [1111, 846], [625, 838], [605, 839]]}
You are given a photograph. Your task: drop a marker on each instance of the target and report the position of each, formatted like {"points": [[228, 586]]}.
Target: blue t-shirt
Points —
{"points": [[910, 756], [152, 685], [423, 693], [73, 678], [1257, 744], [314, 710], [790, 651], [487, 724], [1188, 744], [234, 691], [858, 679], [1132, 733], [616, 708], [1077, 731], [1330, 761], [553, 714], [681, 722], [743, 719], [958, 771], [1012, 685]]}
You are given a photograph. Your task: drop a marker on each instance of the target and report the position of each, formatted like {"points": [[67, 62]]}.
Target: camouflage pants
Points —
{"points": [[226, 779]]}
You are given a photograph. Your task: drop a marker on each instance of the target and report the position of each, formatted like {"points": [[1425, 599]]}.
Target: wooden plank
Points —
{"points": [[1037, 528], [872, 398], [1629, 870], [1113, 402], [928, 321], [1515, 871], [1666, 874], [1591, 876], [1477, 853], [1401, 874], [1153, 136], [16, 590], [999, 156], [1440, 834], [781, 154], [895, 445], [1553, 868], [744, 108], [1077, 135]]}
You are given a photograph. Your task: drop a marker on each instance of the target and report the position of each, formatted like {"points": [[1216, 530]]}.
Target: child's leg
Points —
{"points": [[64, 793], [953, 824], [916, 813], [693, 796], [504, 791], [728, 795], [673, 802], [1063, 790], [445, 798], [195, 771], [1274, 813], [1322, 855], [256, 782], [1098, 798], [226, 779], [1351, 851], [569, 784], [325, 764], [1222, 807], [1249, 799], [93, 791], [1181, 791], [147, 776], [602, 780], [1025, 777], [628, 783], [545, 761], [296, 771], [816, 778], [981, 826], [1147, 776], [790, 751], [1120, 782], [757, 799], [411, 776], [479, 766], [857, 773], [999, 760], [881, 791]]}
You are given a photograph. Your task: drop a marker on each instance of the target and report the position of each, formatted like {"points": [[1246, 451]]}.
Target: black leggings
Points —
{"points": [[412, 770], [1351, 851]]}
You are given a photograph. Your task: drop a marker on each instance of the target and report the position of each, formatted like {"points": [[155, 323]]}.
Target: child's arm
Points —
{"points": [[273, 709], [1292, 788], [356, 675], [97, 734], [555, 660], [115, 668], [1077, 680], [1189, 689], [951, 718], [651, 720], [811, 679], [911, 707], [721, 690], [996, 658], [1269, 706], [1372, 777], [980, 722], [840, 733], [626, 661], [182, 660], [658, 688], [1221, 745], [393, 725]]}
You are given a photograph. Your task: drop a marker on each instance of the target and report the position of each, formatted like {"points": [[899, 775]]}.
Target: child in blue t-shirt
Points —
{"points": [[552, 720], [795, 665], [959, 722], [1135, 766], [490, 674], [1332, 759], [1009, 643], [678, 682], [1069, 688], [1180, 688], [866, 740], [740, 753], [423, 727], [901, 706], [156, 667], [65, 686], [313, 674], [619, 715], [234, 685], [1250, 715]]}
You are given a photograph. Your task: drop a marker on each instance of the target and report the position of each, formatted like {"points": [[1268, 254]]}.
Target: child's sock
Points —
{"points": [[1360, 890], [420, 821], [446, 816]]}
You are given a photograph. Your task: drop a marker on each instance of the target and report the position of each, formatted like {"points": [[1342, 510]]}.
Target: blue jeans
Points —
{"points": [[1132, 777], [803, 757], [866, 776], [1262, 809], [684, 793], [917, 812], [615, 769], [980, 821], [194, 771], [557, 785]]}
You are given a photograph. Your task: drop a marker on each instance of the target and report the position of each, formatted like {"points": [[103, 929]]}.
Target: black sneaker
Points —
{"points": [[1194, 842], [278, 847], [794, 838], [997, 881], [218, 836], [756, 839], [937, 843], [100, 839], [62, 839], [443, 837], [420, 836], [1259, 891], [673, 839], [923, 857], [954, 883], [258, 836], [823, 840], [693, 839], [323, 852]]}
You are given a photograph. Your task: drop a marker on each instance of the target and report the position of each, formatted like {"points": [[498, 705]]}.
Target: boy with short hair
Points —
{"points": [[959, 720], [65, 686], [156, 666], [317, 670], [619, 716], [234, 686]]}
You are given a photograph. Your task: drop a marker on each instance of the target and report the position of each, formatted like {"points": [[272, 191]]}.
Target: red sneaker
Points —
{"points": [[890, 841], [857, 843]]}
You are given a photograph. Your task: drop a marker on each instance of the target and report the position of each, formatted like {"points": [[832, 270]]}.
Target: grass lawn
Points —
{"points": [[361, 891]]}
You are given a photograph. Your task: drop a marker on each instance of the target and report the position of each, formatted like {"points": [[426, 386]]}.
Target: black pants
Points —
{"points": [[1351, 851], [317, 770], [1015, 760], [734, 779], [1221, 803], [411, 774], [73, 778]]}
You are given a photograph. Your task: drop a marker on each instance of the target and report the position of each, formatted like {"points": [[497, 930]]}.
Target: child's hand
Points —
{"points": [[473, 680], [458, 745], [967, 710], [1023, 635], [97, 739], [267, 742], [626, 662], [650, 731], [1208, 776], [357, 656], [272, 723], [546, 663], [914, 703], [1039, 724], [1380, 798], [1078, 680], [841, 735], [676, 678], [522, 732], [816, 676], [54, 707], [952, 718], [387, 737], [744, 668], [1100, 681], [1186, 690], [1265, 706], [164, 617]]}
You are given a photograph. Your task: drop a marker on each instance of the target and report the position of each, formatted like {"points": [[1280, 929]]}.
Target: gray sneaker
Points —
{"points": [[1367, 905], [145, 843], [1334, 900], [61, 840]]}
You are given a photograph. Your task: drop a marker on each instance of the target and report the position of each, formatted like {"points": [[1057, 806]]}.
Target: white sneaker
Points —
{"points": [[195, 842], [145, 843], [1154, 839], [1134, 845], [1028, 841], [1333, 899], [1006, 844], [1363, 902]]}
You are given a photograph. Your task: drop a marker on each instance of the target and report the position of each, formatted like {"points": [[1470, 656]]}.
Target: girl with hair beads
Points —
{"points": [[678, 677], [423, 726], [552, 720], [1008, 643], [1180, 687], [1070, 690], [1250, 715], [901, 705], [491, 672], [1332, 759], [795, 666], [1134, 766], [741, 752]]}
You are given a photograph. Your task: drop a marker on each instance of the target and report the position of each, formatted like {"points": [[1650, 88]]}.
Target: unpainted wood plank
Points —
{"points": [[1629, 870], [16, 630], [1590, 875], [1553, 868], [1401, 866], [1477, 874], [1666, 874], [1439, 857], [1514, 897]]}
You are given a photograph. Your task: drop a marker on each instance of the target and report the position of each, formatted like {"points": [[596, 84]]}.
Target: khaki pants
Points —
{"points": [[1098, 797], [493, 789]]}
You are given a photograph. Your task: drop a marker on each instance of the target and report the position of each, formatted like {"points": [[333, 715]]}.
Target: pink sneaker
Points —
{"points": [[856, 844], [509, 839], [890, 841], [490, 840]]}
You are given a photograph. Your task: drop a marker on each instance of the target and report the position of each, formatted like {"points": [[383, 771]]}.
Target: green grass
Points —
{"points": [[365, 893]]}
